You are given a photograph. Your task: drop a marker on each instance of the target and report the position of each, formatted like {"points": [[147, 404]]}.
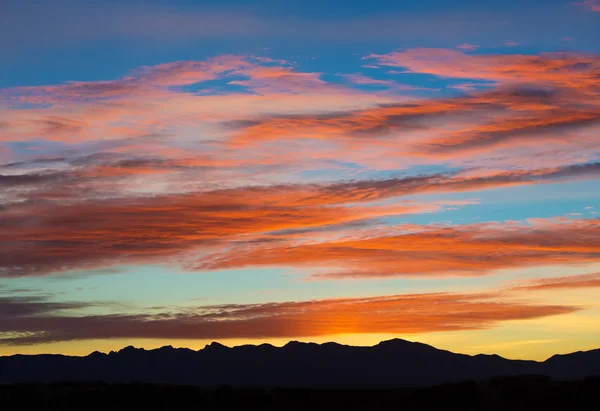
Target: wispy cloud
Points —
{"points": [[522, 101], [569, 70], [467, 46], [417, 251], [562, 283], [35, 320], [87, 234], [70, 232], [228, 162]]}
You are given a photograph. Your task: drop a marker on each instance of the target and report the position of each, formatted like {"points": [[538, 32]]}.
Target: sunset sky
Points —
{"points": [[178, 172]]}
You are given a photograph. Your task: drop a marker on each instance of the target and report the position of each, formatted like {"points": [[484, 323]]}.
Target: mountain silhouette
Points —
{"points": [[387, 364]]}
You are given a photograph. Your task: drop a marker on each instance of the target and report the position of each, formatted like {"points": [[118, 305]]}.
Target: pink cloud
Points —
{"points": [[561, 69], [358, 78]]}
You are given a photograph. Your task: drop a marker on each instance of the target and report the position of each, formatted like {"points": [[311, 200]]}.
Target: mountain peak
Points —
{"points": [[215, 346], [299, 344], [398, 343], [395, 341], [130, 349]]}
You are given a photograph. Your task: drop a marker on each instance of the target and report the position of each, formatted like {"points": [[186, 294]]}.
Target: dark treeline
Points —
{"points": [[503, 393]]}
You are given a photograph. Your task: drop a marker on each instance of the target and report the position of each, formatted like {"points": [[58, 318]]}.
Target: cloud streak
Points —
{"points": [[57, 231], [565, 70], [472, 250], [48, 237], [35, 321], [527, 106], [221, 168], [562, 283]]}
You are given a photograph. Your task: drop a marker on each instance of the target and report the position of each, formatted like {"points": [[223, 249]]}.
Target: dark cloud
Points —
{"points": [[29, 321], [14, 308], [449, 182], [32, 180], [550, 126], [574, 171]]}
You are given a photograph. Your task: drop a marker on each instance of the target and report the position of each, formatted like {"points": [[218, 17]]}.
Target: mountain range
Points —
{"points": [[390, 363]]}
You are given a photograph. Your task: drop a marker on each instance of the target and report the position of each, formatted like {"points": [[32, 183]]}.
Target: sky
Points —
{"points": [[181, 172]]}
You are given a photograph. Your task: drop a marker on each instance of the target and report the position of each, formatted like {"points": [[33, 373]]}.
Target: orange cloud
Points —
{"points": [[34, 320], [65, 220], [552, 126], [151, 100], [558, 104], [526, 101], [344, 125], [218, 172], [40, 237], [569, 70], [111, 174], [465, 250]]}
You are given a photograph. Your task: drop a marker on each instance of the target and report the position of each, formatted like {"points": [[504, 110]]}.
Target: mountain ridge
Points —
{"points": [[393, 362]]}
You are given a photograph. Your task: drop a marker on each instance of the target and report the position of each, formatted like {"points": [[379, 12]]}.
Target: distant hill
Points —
{"points": [[387, 364]]}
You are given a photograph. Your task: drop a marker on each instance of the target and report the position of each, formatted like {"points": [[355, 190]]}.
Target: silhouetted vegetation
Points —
{"points": [[507, 393]]}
